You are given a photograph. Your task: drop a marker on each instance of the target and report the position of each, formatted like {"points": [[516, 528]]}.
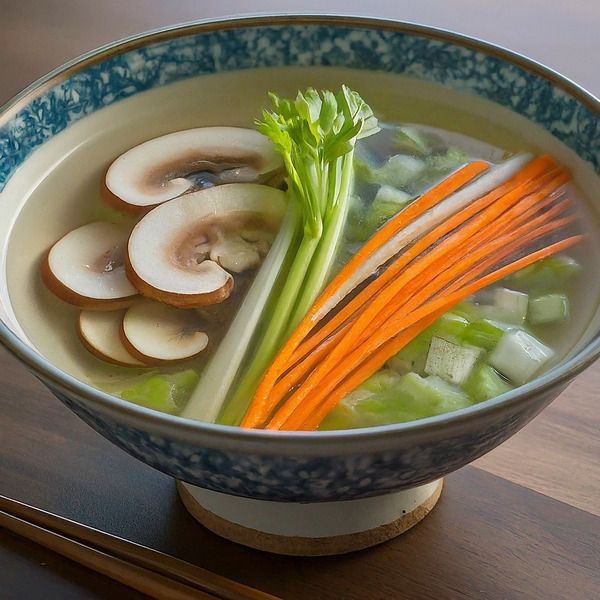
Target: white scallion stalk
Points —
{"points": [[208, 397]]}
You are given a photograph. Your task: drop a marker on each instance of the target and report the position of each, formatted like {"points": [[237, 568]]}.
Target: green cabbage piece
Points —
{"points": [[167, 393]]}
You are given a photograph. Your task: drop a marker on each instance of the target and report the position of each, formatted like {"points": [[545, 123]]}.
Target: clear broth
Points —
{"points": [[63, 190]]}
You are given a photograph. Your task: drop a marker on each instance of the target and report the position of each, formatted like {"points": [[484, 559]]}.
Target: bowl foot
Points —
{"points": [[312, 528]]}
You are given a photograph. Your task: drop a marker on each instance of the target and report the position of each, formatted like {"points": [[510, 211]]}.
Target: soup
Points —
{"points": [[163, 337]]}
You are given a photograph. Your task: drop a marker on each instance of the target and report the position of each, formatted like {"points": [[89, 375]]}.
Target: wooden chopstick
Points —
{"points": [[154, 573], [145, 581]]}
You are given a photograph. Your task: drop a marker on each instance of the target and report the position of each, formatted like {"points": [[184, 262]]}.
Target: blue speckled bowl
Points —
{"points": [[300, 466]]}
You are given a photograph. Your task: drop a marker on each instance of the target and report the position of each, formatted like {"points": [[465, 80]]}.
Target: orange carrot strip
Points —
{"points": [[494, 259], [377, 360], [296, 373], [294, 376], [383, 301], [261, 406], [256, 411], [317, 416], [349, 311], [291, 418], [466, 256]]}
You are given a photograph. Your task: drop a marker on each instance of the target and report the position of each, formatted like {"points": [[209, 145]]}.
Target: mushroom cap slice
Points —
{"points": [[156, 333], [168, 252], [85, 267], [100, 333], [161, 168]]}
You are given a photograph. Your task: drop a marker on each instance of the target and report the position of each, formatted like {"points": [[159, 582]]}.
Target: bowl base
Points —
{"points": [[310, 528]]}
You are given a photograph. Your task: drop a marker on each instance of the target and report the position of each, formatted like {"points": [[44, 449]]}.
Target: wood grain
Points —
{"points": [[146, 581], [43, 527], [35, 573], [558, 453]]}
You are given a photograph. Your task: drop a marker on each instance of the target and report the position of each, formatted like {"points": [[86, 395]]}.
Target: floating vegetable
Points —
{"points": [[182, 252], [480, 243], [86, 267]]}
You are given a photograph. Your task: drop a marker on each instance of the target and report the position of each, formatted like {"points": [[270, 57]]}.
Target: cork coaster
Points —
{"points": [[306, 546]]}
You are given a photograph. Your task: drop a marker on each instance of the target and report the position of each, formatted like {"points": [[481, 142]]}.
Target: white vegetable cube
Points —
{"points": [[519, 356], [548, 309], [450, 361], [400, 169], [388, 193], [406, 164], [512, 305]]}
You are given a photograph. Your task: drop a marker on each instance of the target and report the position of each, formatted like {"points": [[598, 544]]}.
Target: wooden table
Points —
{"points": [[523, 522]]}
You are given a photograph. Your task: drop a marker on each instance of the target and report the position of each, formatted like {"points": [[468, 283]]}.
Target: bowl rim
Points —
{"points": [[313, 442]]}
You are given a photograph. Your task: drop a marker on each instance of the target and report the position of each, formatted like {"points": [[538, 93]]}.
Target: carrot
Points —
{"points": [[378, 359], [467, 257], [392, 227], [414, 291], [350, 309], [371, 367], [384, 304], [297, 372], [291, 413], [292, 377], [528, 179]]}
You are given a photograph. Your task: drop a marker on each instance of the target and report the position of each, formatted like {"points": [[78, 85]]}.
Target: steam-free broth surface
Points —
{"points": [[453, 129]]}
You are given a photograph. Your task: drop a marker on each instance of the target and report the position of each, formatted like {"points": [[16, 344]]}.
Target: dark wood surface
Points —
{"points": [[523, 523]]}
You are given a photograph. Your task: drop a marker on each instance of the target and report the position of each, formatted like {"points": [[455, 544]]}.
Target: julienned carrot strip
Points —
{"points": [[262, 406], [467, 257], [393, 226], [383, 301], [350, 311], [352, 307], [326, 333], [295, 375], [298, 371], [492, 261], [414, 303], [511, 222], [317, 416], [378, 359], [291, 414]]}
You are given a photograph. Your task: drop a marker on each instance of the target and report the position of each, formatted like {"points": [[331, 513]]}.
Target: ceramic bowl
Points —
{"points": [[297, 466]]}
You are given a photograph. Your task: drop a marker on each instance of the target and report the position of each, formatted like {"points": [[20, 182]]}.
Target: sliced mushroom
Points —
{"points": [[85, 267], [100, 333], [156, 333], [180, 252], [185, 161]]}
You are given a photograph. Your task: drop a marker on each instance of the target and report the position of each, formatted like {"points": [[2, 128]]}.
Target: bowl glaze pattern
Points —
{"points": [[121, 71], [298, 478]]}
